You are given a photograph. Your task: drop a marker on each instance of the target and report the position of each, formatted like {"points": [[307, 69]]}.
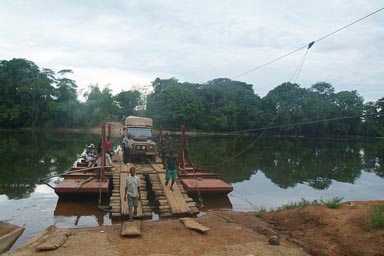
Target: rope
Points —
{"points": [[299, 67], [303, 60], [81, 183], [246, 148], [267, 63], [302, 47], [309, 122]]}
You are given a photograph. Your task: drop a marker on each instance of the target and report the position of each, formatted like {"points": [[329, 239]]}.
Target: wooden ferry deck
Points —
{"points": [[165, 202]]}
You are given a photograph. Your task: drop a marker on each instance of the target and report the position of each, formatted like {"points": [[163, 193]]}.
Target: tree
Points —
{"points": [[349, 103], [127, 101], [25, 92], [174, 105], [100, 105], [159, 84], [64, 110], [229, 105], [285, 105], [323, 88]]}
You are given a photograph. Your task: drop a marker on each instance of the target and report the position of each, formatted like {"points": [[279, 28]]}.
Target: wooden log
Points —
{"points": [[194, 225], [163, 202], [147, 209], [194, 209], [147, 215], [54, 241], [132, 228]]}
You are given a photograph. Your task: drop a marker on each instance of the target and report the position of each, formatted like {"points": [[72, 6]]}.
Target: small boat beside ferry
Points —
{"points": [[87, 177], [9, 233]]}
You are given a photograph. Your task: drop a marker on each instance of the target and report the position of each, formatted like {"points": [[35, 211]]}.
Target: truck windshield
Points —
{"points": [[140, 132]]}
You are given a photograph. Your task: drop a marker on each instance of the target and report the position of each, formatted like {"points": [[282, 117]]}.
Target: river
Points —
{"points": [[265, 173]]}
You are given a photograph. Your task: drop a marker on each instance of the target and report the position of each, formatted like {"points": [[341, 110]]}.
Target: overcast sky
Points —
{"points": [[127, 44]]}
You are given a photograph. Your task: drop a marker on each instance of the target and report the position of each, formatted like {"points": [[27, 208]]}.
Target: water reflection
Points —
{"points": [[269, 174], [80, 213], [288, 162], [215, 203], [259, 192], [27, 157]]}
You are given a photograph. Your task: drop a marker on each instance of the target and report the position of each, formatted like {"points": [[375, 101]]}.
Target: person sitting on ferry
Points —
{"points": [[91, 154]]}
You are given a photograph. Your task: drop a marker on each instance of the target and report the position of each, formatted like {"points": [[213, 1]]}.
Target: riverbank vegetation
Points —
{"points": [[377, 217], [332, 203], [38, 97]]}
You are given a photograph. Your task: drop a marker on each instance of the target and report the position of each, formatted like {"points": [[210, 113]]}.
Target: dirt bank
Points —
{"points": [[316, 229], [323, 231]]}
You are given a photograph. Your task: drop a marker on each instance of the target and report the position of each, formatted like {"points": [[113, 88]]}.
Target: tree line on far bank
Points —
{"points": [[34, 97]]}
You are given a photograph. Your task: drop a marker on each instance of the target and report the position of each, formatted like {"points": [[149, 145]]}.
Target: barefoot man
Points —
{"points": [[132, 190], [171, 166]]}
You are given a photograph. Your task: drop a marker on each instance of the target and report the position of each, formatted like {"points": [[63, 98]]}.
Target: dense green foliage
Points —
{"points": [[31, 97], [226, 105]]}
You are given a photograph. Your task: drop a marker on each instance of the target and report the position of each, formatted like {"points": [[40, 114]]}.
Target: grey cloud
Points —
{"points": [[198, 40]]}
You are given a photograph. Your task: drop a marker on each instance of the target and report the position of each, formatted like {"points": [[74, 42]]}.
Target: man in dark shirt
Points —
{"points": [[171, 166]]}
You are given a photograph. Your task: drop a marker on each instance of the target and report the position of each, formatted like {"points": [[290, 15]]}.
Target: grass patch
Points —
{"points": [[293, 205], [332, 203], [260, 213], [377, 217]]}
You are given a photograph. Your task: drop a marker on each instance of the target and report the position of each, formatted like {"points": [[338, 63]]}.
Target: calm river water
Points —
{"points": [[265, 173]]}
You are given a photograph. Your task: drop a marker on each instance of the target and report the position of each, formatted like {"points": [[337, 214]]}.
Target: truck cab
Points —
{"points": [[139, 132]]}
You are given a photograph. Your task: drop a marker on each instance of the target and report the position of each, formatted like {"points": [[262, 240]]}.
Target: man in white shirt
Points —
{"points": [[132, 190]]}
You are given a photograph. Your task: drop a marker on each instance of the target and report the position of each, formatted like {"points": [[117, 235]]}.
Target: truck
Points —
{"points": [[139, 132]]}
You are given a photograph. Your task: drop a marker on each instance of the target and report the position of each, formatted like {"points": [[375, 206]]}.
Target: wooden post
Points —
{"points": [[182, 148], [161, 140], [161, 134], [103, 151]]}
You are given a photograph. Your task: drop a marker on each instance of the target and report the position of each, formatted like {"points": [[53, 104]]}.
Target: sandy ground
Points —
{"points": [[230, 233], [314, 230]]}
